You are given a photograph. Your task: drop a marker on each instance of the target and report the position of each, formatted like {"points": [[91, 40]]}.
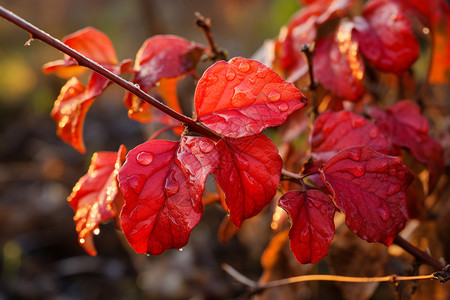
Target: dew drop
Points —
{"points": [[355, 154], [261, 73], [82, 241], [282, 107], [135, 183], [393, 189], [171, 186], [239, 99], [206, 146], [274, 96], [137, 86], [230, 75], [358, 121], [392, 172], [373, 133], [181, 249], [357, 171], [212, 79], [384, 213], [96, 231], [144, 158], [244, 67], [147, 254]]}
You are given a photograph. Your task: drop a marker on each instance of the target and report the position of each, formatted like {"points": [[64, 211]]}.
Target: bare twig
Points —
{"points": [[256, 286], [37, 33], [419, 255], [205, 25], [309, 53]]}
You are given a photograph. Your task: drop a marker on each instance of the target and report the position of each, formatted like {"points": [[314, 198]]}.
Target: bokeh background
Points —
{"points": [[39, 254]]}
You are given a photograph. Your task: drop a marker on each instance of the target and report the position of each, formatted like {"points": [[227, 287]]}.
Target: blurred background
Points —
{"points": [[39, 254]]}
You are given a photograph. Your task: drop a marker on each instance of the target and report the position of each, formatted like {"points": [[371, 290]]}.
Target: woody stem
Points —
{"points": [[37, 33]]}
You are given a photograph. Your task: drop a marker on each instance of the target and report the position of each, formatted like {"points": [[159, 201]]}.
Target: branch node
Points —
{"points": [[205, 25]]}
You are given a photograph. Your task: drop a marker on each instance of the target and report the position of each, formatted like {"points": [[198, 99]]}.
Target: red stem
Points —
{"points": [[39, 34]]}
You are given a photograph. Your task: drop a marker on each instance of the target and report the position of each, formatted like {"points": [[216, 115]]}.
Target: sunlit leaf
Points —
{"points": [[249, 173], [370, 188], [163, 183], [242, 97], [93, 196]]}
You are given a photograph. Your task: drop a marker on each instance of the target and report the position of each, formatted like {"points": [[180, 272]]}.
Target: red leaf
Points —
{"points": [[163, 183], [69, 112], [435, 15], [91, 43], [249, 173], [312, 223], [93, 196], [162, 56], [370, 188], [404, 124], [242, 97], [337, 64], [334, 131], [385, 36], [302, 29]]}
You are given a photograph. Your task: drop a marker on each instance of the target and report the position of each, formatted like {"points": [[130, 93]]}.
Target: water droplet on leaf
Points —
{"points": [[244, 67], [261, 73], [274, 96], [239, 99], [384, 213], [358, 121], [393, 189], [135, 183], [144, 158], [373, 133], [171, 186], [230, 75], [357, 171], [206, 146], [212, 79], [96, 231], [282, 107], [181, 249], [392, 172], [82, 241]]}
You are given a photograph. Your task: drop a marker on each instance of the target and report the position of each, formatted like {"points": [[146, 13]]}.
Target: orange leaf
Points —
{"points": [[69, 112], [93, 196], [93, 44]]}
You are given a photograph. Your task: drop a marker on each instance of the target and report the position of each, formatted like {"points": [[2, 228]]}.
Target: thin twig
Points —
{"points": [[37, 33], [205, 25], [419, 255], [309, 53], [319, 277]]}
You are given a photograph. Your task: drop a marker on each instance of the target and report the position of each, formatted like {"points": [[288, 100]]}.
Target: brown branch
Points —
{"points": [[37, 33], [257, 287], [205, 25], [418, 254], [309, 53]]}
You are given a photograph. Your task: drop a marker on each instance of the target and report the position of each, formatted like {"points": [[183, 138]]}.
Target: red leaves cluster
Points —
{"points": [[354, 161], [151, 69], [383, 35], [94, 198], [163, 181], [362, 179]]}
